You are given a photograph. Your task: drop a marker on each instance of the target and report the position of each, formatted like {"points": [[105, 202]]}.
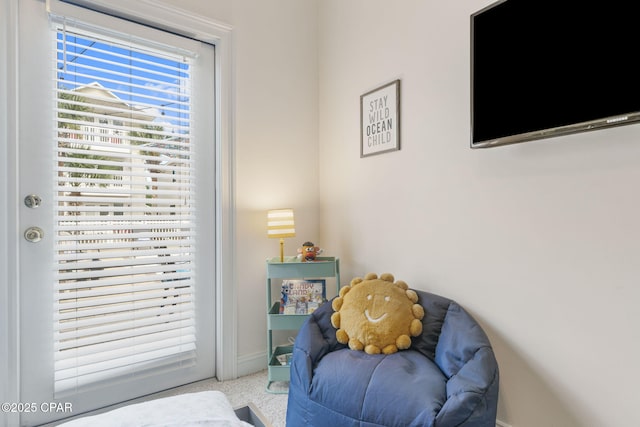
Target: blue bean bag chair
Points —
{"points": [[448, 377]]}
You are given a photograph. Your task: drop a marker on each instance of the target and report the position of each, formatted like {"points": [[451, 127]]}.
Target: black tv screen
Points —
{"points": [[542, 68]]}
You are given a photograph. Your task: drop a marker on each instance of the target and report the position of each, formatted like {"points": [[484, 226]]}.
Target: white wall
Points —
{"points": [[276, 142], [540, 241]]}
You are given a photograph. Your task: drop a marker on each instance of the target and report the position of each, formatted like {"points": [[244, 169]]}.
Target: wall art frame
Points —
{"points": [[380, 120]]}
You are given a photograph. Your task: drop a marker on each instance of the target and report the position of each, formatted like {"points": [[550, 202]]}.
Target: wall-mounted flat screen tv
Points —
{"points": [[544, 68]]}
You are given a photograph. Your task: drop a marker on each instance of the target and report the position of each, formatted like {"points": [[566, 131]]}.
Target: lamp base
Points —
{"points": [[281, 249]]}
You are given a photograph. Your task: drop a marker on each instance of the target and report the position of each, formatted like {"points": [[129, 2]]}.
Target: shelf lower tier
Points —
{"points": [[279, 373], [276, 370]]}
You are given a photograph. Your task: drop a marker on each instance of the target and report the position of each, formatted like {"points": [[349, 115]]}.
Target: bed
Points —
{"points": [[202, 409]]}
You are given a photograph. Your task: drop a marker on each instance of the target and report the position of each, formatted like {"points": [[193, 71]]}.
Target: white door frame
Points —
{"points": [[165, 17], [9, 302]]}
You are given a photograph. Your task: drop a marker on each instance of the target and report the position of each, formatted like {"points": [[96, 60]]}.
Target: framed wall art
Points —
{"points": [[380, 120]]}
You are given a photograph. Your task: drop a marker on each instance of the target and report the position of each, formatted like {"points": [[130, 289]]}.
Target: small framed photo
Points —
{"points": [[380, 120]]}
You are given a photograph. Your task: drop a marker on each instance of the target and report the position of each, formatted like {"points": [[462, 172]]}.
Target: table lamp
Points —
{"points": [[280, 224]]}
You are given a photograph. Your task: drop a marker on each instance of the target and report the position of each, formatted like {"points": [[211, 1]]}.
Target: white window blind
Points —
{"points": [[125, 221]]}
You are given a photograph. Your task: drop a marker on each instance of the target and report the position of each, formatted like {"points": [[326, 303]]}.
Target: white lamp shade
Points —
{"points": [[280, 223]]}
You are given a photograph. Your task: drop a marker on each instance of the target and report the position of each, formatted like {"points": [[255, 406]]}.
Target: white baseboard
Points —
{"points": [[502, 424]]}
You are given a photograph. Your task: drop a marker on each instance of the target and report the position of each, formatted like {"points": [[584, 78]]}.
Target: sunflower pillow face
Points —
{"points": [[377, 315]]}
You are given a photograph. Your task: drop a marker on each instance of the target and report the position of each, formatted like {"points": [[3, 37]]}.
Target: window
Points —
{"points": [[124, 290]]}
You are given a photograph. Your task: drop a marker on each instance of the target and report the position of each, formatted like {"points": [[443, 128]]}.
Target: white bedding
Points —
{"points": [[205, 408]]}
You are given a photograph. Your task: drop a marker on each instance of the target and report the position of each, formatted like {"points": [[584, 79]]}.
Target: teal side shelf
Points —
{"points": [[291, 268]]}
